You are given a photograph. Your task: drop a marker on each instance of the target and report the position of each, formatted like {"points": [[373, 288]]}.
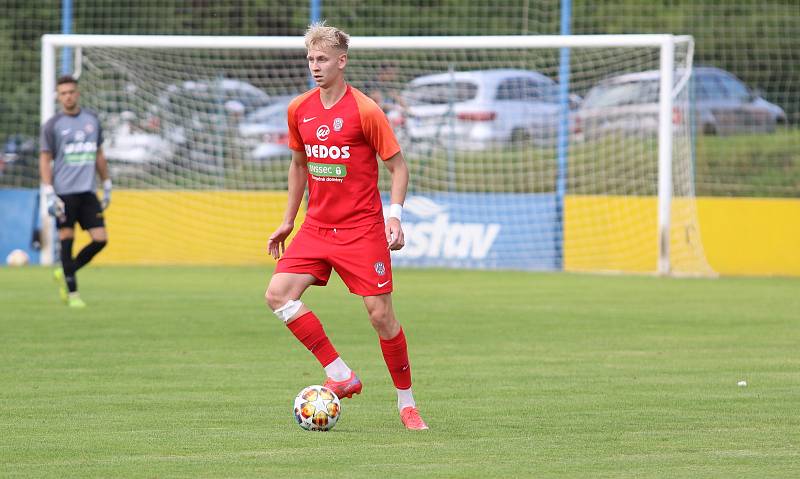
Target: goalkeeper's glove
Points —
{"points": [[106, 193], [54, 204]]}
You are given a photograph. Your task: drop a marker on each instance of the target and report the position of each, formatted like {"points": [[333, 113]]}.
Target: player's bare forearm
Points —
{"points": [[101, 164], [45, 167], [297, 186], [298, 175], [399, 170]]}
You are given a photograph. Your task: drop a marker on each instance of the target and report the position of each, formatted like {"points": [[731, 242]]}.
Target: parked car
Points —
{"points": [[265, 132], [722, 103], [129, 148], [211, 96], [475, 109], [197, 116], [20, 148], [19, 159]]}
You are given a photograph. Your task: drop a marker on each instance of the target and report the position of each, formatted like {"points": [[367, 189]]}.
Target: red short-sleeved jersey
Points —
{"points": [[341, 143]]}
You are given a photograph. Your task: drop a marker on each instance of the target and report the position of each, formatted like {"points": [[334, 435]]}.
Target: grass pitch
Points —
{"points": [[182, 372]]}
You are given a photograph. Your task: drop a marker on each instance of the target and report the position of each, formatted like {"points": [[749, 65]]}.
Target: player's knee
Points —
{"points": [[385, 324], [98, 235], [380, 316], [275, 298], [271, 299]]}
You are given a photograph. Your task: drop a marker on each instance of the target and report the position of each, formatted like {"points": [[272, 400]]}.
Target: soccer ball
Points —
{"points": [[17, 258], [316, 408]]}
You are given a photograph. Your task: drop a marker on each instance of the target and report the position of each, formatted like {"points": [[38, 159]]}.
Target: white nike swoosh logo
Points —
{"points": [[381, 285], [65, 132], [306, 120]]}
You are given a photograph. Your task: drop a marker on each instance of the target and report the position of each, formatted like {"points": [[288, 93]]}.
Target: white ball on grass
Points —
{"points": [[17, 257]]}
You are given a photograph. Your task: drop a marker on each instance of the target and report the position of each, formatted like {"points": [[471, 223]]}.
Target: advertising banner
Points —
{"points": [[478, 230]]}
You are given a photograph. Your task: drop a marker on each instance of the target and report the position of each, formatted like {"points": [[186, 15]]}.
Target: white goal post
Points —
{"points": [[672, 78]]}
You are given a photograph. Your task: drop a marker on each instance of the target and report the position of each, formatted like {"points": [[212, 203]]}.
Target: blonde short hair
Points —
{"points": [[322, 36]]}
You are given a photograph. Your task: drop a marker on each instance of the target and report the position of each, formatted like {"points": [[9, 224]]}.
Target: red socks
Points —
{"points": [[395, 353], [308, 330]]}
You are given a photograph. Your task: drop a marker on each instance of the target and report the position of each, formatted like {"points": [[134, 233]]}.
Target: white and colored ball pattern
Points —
{"points": [[17, 258], [316, 408]]}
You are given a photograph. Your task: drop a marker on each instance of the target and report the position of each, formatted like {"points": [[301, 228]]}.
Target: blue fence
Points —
{"points": [[18, 222]]}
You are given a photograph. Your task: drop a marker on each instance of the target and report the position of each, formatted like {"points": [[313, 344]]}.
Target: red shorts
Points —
{"points": [[359, 255]]}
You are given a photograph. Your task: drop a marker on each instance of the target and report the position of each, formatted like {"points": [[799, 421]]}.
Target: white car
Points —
{"points": [[472, 110]]}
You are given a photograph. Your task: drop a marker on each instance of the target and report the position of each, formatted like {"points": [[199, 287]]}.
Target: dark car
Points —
{"points": [[723, 105], [19, 160]]}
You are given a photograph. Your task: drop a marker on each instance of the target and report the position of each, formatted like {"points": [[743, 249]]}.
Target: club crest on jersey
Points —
{"points": [[323, 132], [89, 128], [338, 123], [380, 268], [80, 135]]}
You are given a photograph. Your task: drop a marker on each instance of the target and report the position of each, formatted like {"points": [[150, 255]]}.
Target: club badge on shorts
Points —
{"points": [[380, 268]]}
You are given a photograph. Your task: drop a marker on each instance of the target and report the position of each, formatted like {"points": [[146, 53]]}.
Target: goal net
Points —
{"points": [[510, 167]]}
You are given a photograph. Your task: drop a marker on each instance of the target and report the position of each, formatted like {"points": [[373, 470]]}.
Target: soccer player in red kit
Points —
{"points": [[335, 132]]}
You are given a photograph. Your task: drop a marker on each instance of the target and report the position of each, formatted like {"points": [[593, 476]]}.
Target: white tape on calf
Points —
{"points": [[285, 312]]}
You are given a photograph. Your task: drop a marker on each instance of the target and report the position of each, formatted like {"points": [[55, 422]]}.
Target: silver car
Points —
{"points": [[472, 110], [629, 103], [265, 132], [203, 108]]}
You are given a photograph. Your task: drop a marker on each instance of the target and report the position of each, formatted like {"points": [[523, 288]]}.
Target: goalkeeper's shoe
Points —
{"points": [[58, 277], [412, 420], [75, 301], [346, 388]]}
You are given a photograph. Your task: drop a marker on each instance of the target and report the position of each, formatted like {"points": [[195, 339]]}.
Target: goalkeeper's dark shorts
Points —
{"points": [[83, 208]]}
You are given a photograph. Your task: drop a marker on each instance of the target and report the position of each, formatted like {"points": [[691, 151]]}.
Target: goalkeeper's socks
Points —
{"points": [[87, 253], [68, 265], [72, 282], [338, 370], [395, 354], [308, 330]]}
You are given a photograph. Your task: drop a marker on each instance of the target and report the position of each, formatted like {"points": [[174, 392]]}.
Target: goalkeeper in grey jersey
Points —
{"points": [[70, 154]]}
